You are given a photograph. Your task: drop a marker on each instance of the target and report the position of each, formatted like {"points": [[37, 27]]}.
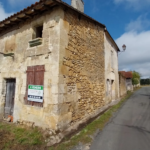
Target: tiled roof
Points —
{"points": [[37, 8], [126, 74]]}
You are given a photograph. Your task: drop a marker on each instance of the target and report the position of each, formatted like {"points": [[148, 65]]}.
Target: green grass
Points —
{"points": [[84, 135], [12, 136]]}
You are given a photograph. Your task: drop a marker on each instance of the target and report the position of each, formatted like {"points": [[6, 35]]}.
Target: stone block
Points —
{"points": [[54, 89], [54, 70], [47, 92], [52, 121], [54, 99], [62, 88], [36, 111], [64, 121], [23, 90], [60, 109], [47, 67]]}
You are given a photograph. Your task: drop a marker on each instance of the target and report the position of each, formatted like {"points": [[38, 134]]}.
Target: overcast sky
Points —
{"points": [[128, 21]]}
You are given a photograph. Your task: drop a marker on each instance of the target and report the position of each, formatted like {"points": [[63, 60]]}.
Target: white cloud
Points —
{"points": [[136, 4], [137, 55], [141, 24], [3, 13]]}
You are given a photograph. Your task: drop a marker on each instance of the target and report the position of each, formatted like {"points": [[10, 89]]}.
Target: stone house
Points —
{"points": [[55, 62], [128, 76], [111, 69]]}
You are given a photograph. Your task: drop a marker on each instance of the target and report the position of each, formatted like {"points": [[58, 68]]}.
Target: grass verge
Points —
{"points": [[19, 138], [84, 135]]}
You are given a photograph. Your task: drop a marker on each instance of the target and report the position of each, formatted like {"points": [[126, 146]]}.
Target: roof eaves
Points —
{"points": [[59, 2], [112, 40], [2, 23], [76, 10]]}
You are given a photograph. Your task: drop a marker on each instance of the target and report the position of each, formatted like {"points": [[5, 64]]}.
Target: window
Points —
{"points": [[108, 86], [35, 76], [38, 31], [37, 36]]}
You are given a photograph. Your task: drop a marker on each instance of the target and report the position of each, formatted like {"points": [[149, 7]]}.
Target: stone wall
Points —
{"points": [[111, 70], [81, 67], [122, 85]]}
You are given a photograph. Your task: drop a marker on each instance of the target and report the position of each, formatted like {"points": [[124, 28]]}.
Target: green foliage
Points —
{"points": [[135, 81], [145, 81], [135, 78]]}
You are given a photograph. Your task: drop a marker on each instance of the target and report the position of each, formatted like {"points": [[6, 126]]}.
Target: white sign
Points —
{"points": [[35, 93]]}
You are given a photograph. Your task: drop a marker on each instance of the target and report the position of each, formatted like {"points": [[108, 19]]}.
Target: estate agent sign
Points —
{"points": [[35, 93]]}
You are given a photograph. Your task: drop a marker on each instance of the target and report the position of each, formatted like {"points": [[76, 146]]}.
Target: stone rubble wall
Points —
{"points": [[122, 85], [81, 68], [111, 70]]}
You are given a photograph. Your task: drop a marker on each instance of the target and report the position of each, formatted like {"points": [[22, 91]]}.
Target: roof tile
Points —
{"points": [[126, 74]]}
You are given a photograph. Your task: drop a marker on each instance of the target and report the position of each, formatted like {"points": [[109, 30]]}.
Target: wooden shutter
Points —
{"points": [[30, 80], [35, 76], [39, 80]]}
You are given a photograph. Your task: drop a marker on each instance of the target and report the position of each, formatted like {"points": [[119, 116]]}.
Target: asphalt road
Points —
{"points": [[129, 128]]}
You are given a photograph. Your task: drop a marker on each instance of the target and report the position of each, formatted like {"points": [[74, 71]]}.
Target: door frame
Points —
{"points": [[6, 81]]}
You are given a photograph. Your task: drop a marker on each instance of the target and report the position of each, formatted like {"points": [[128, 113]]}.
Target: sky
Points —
{"points": [[128, 22]]}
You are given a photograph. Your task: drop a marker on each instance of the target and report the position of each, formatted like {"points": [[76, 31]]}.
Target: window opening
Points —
{"points": [[37, 36], [39, 31], [108, 87]]}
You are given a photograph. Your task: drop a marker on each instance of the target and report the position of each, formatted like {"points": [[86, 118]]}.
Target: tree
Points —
{"points": [[136, 78], [145, 81]]}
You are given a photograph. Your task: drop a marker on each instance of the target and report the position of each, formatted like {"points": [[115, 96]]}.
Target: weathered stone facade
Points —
{"points": [[122, 85], [73, 55], [73, 52], [82, 66], [46, 54], [111, 70]]}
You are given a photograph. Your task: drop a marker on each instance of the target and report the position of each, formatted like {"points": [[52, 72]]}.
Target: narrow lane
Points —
{"points": [[129, 128]]}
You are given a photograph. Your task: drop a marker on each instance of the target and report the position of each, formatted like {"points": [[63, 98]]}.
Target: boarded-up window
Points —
{"points": [[35, 76], [108, 87]]}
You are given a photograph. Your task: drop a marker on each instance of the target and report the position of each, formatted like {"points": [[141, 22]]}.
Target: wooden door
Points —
{"points": [[112, 90], [10, 95]]}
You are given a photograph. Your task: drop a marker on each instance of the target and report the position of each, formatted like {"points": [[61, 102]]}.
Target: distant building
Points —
{"points": [[122, 84], [128, 76], [111, 69]]}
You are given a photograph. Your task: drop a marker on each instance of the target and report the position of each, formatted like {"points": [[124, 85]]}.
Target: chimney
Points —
{"points": [[78, 4]]}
